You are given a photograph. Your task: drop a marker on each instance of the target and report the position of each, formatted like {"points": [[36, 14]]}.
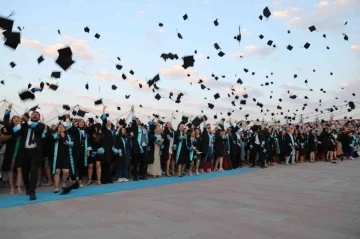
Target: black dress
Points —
{"points": [[312, 143], [301, 142], [63, 153], [182, 149], [220, 146], [95, 144]]}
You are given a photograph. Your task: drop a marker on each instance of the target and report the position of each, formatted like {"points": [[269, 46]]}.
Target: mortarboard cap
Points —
{"points": [[307, 45], [243, 102], [188, 61], [66, 107], [161, 24], [40, 59], [6, 24], [221, 54], [12, 64], [197, 121], [86, 29], [185, 17], [312, 28], [26, 95], [56, 74], [216, 96], [34, 108], [97, 36], [216, 23], [266, 12], [157, 96], [13, 39], [98, 102], [114, 87], [81, 113], [53, 87]]}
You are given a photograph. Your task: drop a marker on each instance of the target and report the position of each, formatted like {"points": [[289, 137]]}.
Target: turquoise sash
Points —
{"points": [[71, 144]]}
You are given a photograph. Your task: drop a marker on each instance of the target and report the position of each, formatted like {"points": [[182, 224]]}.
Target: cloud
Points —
{"points": [[104, 76], [79, 47], [246, 32], [12, 75], [151, 47], [176, 71], [356, 49], [346, 89], [156, 34], [252, 51], [140, 14], [291, 87], [207, 3], [325, 15], [286, 13]]}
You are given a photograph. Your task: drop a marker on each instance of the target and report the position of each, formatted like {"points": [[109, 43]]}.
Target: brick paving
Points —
{"points": [[306, 201]]}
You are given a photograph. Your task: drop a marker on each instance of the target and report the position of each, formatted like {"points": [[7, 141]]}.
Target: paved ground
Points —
{"points": [[306, 201]]}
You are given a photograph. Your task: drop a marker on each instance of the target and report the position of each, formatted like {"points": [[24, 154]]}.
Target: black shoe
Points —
{"points": [[143, 178], [32, 196], [109, 180]]}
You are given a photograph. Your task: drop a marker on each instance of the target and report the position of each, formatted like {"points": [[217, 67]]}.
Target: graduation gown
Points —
{"points": [[182, 149], [118, 148], [166, 144], [37, 129], [12, 145], [63, 153]]}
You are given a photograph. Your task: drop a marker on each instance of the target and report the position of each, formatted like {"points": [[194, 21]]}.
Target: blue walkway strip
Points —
{"points": [[49, 196]]}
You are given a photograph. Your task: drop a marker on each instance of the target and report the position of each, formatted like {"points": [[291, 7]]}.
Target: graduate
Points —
{"points": [[30, 150], [168, 145], [11, 151], [140, 147], [95, 152], [108, 135], [182, 156], [119, 150], [63, 160]]}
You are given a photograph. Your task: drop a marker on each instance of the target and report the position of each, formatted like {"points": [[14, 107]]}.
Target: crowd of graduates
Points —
{"points": [[87, 152]]}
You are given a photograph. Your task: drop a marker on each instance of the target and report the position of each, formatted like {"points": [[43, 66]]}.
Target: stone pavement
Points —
{"points": [[318, 200]]}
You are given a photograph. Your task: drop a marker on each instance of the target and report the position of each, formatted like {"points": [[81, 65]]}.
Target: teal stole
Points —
{"points": [[71, 144], [85, 146], [179, 146], [140, 133]]}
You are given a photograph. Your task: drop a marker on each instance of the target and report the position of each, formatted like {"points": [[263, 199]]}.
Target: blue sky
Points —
{"points": [[129, 30]]}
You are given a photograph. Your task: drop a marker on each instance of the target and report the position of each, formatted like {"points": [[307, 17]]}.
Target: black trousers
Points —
{"points": [[257, 150], [235, 158], [105, 167], [140, 164], [31, 164]]}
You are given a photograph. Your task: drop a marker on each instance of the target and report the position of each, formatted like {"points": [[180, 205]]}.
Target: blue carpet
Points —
{"points": [[48, 196]]}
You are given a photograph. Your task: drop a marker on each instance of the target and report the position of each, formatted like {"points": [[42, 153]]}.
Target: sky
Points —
{"points": [[129, 30]]}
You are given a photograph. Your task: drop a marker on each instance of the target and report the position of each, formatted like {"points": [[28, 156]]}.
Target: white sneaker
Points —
{"points": [[125, 180], [287, 164], [120, 180]]}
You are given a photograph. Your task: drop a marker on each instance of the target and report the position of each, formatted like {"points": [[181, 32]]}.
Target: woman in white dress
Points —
{"points": [[154, 169]]}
